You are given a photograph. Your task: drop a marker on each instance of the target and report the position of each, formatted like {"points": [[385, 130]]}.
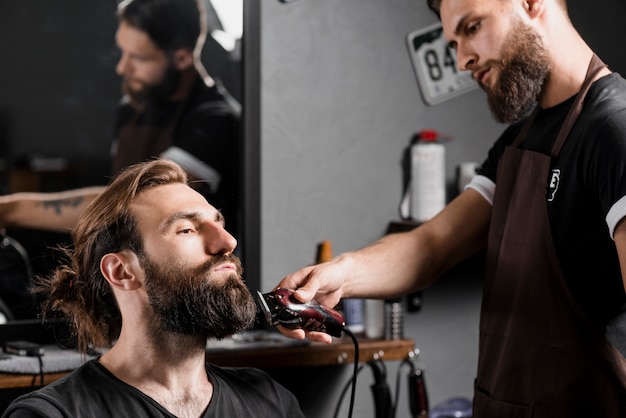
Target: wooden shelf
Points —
{"points": [[14, 380], [339, 352]]}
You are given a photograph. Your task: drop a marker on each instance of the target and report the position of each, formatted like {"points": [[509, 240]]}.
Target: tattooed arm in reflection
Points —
{"points": [[48, 211]]}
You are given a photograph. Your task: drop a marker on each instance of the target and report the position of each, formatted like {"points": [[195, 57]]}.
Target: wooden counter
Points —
{"points": [[13, 380], [341, 351]]}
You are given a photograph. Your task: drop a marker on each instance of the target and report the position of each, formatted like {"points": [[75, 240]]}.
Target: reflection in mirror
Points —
{"points": [[221, 54], [60, 92]]}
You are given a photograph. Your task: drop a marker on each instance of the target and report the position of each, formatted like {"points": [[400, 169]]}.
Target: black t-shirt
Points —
{"points": [[92, 391], [586, 183]]}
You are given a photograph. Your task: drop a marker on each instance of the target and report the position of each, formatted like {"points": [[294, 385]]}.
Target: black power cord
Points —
{"points": [[384, 406], [6, 242], [41, 373], [360, 367], [418, 397], [355, 371], [380, 390]]}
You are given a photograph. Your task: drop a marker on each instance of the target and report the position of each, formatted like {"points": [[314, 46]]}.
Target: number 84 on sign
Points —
{"points": [[435, 66]]}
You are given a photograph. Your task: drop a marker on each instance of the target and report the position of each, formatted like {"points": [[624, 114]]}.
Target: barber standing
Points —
{"points": [[547, 203]]}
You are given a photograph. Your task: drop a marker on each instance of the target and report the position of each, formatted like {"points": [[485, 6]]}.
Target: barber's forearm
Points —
{"points": [[404, 262], [392, 266], [48, 211]]}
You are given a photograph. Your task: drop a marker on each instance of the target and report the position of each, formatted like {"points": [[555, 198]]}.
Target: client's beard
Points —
{"points": [[189, 302]]}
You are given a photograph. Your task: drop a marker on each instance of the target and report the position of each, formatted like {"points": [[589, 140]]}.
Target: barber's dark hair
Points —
{"points": [[435, 6], [171, 24], [77, 289]]}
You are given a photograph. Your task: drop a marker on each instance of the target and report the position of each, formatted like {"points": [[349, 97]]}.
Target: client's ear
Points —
{"points": [[122, 270], [183, 59]]}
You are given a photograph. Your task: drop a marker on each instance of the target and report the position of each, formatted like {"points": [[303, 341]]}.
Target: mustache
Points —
{"points": [[221, 259]]}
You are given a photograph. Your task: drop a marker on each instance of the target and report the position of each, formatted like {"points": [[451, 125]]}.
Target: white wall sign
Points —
{"points": [[435, 66]]}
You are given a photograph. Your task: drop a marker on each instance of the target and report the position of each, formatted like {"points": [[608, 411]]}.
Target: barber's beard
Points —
{"points": [[190, 302], [155, 93], [524, 70]]}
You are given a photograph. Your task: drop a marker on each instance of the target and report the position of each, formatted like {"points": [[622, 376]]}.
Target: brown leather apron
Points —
{"points": [[539, 356]]}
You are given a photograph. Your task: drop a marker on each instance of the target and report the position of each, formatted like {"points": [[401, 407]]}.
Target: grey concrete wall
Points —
{"points": [[339, 104]]}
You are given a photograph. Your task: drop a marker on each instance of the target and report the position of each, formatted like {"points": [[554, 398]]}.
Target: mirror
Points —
{"points": [[60, 93]]}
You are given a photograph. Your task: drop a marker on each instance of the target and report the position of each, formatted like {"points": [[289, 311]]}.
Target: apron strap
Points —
{"points": [[595, 66]]}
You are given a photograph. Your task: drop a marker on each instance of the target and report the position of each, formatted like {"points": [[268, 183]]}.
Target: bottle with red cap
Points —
{"points": [[428, 175]]}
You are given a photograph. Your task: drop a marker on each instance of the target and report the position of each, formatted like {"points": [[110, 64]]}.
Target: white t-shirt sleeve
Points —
{"points": [[485, 187], [616, 213]]}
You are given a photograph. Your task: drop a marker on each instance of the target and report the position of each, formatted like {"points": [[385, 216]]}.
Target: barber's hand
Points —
{"points": [[322, 282]]}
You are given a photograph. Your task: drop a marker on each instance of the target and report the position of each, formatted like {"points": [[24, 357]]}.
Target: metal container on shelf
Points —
{"points": [[428, 176]]}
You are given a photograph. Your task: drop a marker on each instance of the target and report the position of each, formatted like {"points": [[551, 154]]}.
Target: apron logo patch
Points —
{"points": [[553, 185]]}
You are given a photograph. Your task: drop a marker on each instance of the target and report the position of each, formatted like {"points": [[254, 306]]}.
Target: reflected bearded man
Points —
{"points": [[170, 108]]}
